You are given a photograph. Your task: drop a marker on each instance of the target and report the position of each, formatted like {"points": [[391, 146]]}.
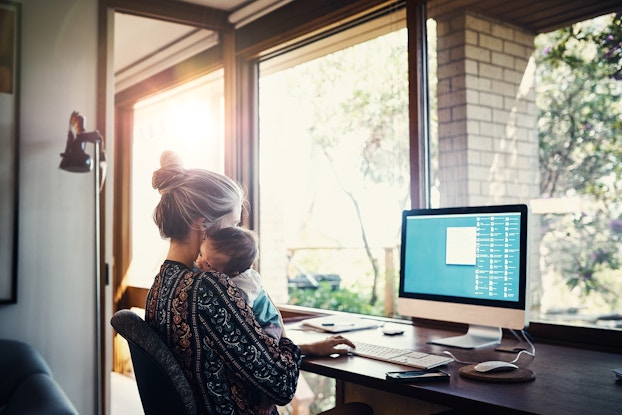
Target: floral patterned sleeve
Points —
{"points": [[252, 357], [229, 359]]}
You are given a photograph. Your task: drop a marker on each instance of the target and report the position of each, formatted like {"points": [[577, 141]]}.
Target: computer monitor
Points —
{"points": [[466, 265]]}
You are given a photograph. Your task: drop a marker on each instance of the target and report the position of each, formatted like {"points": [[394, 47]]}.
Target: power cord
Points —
{"points": [[525, 336]]}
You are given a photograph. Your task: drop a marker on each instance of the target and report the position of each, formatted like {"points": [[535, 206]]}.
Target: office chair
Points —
{"points": [[162, 386]]}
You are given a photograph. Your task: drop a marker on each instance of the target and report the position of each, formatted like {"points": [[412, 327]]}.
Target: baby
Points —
{"points": [[233, 251]]}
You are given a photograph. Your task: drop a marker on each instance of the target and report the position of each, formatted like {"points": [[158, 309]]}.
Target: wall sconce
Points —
{"points": [[75, 159]]}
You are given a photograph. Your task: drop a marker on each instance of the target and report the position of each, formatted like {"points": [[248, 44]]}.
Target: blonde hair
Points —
{"points": [[188, 195]]}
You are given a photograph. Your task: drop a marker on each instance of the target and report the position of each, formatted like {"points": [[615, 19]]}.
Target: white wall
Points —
{"points": [[55, 308]]}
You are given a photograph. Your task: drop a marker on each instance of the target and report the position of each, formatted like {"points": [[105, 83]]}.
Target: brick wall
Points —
{"points": [[487, 136]]}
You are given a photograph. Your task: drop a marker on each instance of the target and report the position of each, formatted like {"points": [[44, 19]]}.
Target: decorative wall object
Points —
{"points": [[9, 143]]}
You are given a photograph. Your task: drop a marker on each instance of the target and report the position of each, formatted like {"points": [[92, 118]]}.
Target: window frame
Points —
{"points": [[266, 36], [240, 53]]}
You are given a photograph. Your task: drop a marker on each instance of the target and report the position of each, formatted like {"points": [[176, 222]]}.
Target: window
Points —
{"points": [[520, 118], [334, 168], [490, 129], [579, 102], [188, 120]]}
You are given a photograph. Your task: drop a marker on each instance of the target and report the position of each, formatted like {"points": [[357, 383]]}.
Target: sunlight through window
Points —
{"points": [[189, 121]]}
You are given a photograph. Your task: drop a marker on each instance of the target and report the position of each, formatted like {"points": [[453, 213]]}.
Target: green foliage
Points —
{"points": [[609, 44], [579, 98], [586, 251], [596, 43], [580, 120], [353, 116], [340, 299], [358, 108]]}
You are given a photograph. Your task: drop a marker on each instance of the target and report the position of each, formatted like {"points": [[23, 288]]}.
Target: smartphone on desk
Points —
{"points": [[416, 376]]}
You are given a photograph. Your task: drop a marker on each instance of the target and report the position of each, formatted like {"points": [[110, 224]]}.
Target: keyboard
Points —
{"points": [[405, 357]]}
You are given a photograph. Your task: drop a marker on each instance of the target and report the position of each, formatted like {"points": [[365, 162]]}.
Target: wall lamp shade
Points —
{"points": [[75, 159]]}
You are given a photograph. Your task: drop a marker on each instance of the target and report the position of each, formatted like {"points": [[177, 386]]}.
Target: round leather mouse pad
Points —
{"points": [[513, 376]]}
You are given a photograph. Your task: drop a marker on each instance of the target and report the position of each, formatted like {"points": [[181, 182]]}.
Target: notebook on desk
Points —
{"points": [[339, 324]]}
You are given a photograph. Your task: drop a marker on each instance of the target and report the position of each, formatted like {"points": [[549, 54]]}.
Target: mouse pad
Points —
{"points": [[514, 376]]}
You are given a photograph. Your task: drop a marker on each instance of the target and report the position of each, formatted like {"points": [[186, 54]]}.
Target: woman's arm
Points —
{"points": [[252, 357]]}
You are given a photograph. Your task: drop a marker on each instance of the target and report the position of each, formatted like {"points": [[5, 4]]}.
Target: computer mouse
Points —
{"points": [[392, 329], [495, 366]]}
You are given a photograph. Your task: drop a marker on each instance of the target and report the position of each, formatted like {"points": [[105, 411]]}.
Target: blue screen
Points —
{"points": [[466, 255]]}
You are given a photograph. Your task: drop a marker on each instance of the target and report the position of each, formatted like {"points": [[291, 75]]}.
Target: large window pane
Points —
{"points": [[189, 121], [535, 119], [334, 168], [579, 100]]}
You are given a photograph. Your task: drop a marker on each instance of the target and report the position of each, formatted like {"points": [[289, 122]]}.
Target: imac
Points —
{"points": [[466, 265]]}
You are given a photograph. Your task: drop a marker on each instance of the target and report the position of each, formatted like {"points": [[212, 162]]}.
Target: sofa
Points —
{"points": [[26, 383]]}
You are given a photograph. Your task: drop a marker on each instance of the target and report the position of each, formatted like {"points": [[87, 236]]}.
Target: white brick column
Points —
{"points": [[487, 132]]}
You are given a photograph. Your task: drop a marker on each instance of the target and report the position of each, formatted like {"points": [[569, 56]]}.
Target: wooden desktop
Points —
{"points": [[567, 380]]}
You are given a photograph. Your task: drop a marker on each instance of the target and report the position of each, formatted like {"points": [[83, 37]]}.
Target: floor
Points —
{"points": [[124, 398]]}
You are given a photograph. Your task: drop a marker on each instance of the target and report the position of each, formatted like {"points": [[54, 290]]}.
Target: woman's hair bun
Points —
{"points": [[171, 168], [170, 159]]}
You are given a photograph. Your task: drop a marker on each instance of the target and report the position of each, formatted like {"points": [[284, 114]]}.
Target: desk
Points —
{"points": [[568, 380]]}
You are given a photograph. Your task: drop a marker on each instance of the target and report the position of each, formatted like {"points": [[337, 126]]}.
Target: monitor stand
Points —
{"points": [[475, 338]]}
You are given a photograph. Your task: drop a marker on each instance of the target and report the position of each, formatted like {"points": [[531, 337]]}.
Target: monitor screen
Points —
{"points": [[466, 265]]}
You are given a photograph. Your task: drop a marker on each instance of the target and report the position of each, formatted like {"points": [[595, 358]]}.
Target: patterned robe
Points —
{"points": [[227, 357]]}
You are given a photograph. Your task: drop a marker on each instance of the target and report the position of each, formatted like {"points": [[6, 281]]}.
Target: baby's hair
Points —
{"points": [[188, 195], [237, 244]]}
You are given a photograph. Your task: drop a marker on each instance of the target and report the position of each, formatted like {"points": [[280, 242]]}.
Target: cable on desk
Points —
{"points": [[531, 353], [526, 337]]}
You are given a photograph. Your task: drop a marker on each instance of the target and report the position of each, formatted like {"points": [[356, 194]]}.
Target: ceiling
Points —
{"points": [[157, 44], [168, 43], [539, 16]]}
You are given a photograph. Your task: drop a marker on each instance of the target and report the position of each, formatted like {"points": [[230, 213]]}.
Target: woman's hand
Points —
{"points": [[331, 345]]}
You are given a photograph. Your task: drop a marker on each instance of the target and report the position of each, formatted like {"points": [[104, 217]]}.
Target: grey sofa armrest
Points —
{"points": [[27, 385], [39, 394]]}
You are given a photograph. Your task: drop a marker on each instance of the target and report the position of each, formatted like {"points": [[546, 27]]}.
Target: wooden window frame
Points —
{"points": [[239, 55]]}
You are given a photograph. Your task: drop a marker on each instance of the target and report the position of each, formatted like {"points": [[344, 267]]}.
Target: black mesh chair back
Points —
{"points": [[162, 386]]}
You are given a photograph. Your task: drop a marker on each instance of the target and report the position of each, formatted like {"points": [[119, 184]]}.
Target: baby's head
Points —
{"points": [[230, 250]]}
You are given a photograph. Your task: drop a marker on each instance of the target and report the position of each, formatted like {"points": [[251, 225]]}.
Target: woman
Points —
{"points": [[229, 359]]}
